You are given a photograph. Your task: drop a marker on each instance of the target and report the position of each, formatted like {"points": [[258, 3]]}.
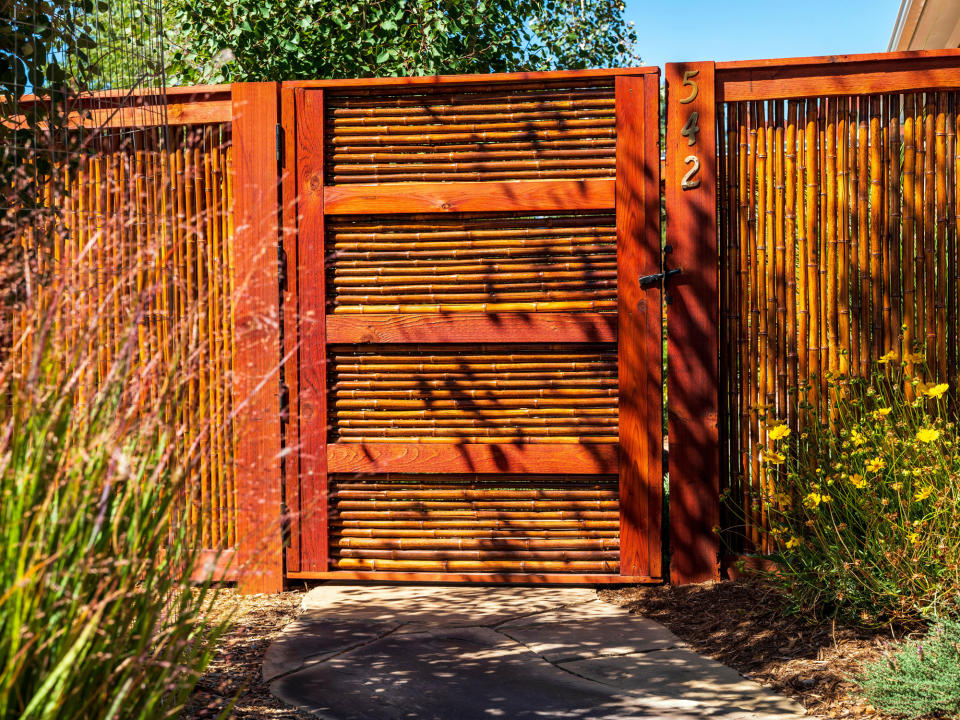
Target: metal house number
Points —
{"points": [[690, 131]]}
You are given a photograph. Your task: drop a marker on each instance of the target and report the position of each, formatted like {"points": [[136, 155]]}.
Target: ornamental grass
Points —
{"points": [[99, 618], [864, 503]]}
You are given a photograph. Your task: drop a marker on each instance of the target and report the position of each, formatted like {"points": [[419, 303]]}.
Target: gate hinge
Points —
{"points": [[284, 403], [655, 279], [279, 139]]}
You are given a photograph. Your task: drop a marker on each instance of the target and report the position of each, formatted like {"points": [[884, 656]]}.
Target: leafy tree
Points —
{"points": [[244, 40]]}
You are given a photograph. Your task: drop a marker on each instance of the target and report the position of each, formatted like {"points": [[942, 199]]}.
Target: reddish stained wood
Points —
{"points": [[639, 316], [291, 371], [692, 331], [257, 336], [471, 458], [516, 578], [311, 286], [512, 196], [827, 79], [196, 105], [490, 79], [900, 56], [527, 327], [215, 566]]}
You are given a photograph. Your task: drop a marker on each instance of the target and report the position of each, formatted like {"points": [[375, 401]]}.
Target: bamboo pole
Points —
{"points": [[791, 239], [781, 259], [930, 234], [803, 293], [811, 162], [830, 242], [843, 230], [942, 225], [909, 236], [894, 236]]}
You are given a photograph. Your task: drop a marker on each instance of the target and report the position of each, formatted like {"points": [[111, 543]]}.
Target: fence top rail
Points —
{"points": [[188, 105], [835, 75], [477, 79]]}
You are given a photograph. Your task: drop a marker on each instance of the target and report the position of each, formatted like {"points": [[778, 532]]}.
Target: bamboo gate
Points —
{"points": [[433, 305]]}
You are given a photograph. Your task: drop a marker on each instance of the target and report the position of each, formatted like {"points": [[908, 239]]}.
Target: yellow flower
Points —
{"points": [[876, 464], [914, 538], [793, 542], [881, 413], [858, 438], [773, 458], [779, 432], [937, 391], [814, 499], [927, 435], [857, 481], [923, 493], [887, 357]]}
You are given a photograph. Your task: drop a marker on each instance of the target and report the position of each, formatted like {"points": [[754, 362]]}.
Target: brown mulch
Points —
{"points": [[236, 667], [745, 625]]}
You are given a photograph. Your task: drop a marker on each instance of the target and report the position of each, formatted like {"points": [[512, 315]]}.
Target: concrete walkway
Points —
{"points": [[459, 653]]}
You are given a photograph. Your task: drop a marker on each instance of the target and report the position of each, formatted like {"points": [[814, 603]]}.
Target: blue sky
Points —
{"points": [[671, 30]]}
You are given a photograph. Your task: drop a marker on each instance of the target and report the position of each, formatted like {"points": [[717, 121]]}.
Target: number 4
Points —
{"points": [[690, 129]]}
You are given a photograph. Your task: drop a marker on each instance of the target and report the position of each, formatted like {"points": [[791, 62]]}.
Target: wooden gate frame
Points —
{"points": [[291, 110]]}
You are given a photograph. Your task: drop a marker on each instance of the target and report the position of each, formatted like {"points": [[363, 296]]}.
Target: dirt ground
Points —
{"points": [[236, 667], [741, 624], [744, 625]]}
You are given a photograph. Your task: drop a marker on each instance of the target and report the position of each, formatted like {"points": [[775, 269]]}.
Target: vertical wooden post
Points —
{"points": [[692, 322], [639, 333], [311, 287], [257, 333]]}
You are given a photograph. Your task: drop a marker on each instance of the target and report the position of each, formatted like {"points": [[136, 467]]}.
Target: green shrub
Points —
{"points": [[921, 678], [864, 506], [98, 618]]}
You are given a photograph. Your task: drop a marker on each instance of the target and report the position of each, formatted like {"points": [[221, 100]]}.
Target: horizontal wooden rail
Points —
{"points": [[486, 80], [193, 105], [508, 327], [833, 76], [517, 578], [472, 458], [515, 196]]}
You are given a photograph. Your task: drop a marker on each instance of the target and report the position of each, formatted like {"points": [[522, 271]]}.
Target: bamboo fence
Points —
{"points": [[470, 523], [839, 225], [475, 394], [482, 263], [147, 243], [520, 133]]}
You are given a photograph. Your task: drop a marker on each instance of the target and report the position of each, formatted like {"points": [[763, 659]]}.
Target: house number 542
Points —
{"points": [[690, 130]]}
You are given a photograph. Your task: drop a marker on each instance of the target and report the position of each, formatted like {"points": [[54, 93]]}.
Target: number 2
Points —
{"points": [[688, 76], [688, 183], [690, 129]]}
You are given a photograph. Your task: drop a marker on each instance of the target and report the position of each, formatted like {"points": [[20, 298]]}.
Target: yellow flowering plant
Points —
{"points": [[873, 530]]}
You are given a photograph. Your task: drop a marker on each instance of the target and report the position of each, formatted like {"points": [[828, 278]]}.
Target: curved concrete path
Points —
{"points": [[459, 653]]}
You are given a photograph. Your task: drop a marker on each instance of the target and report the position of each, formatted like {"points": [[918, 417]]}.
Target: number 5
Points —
{"points": [[688, 76]]}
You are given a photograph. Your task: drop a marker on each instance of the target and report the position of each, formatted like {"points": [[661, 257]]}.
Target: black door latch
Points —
{"points": [[651, 280]]}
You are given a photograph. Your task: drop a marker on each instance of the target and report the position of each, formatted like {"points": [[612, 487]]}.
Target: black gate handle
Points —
{"points": [[650, 280]]}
